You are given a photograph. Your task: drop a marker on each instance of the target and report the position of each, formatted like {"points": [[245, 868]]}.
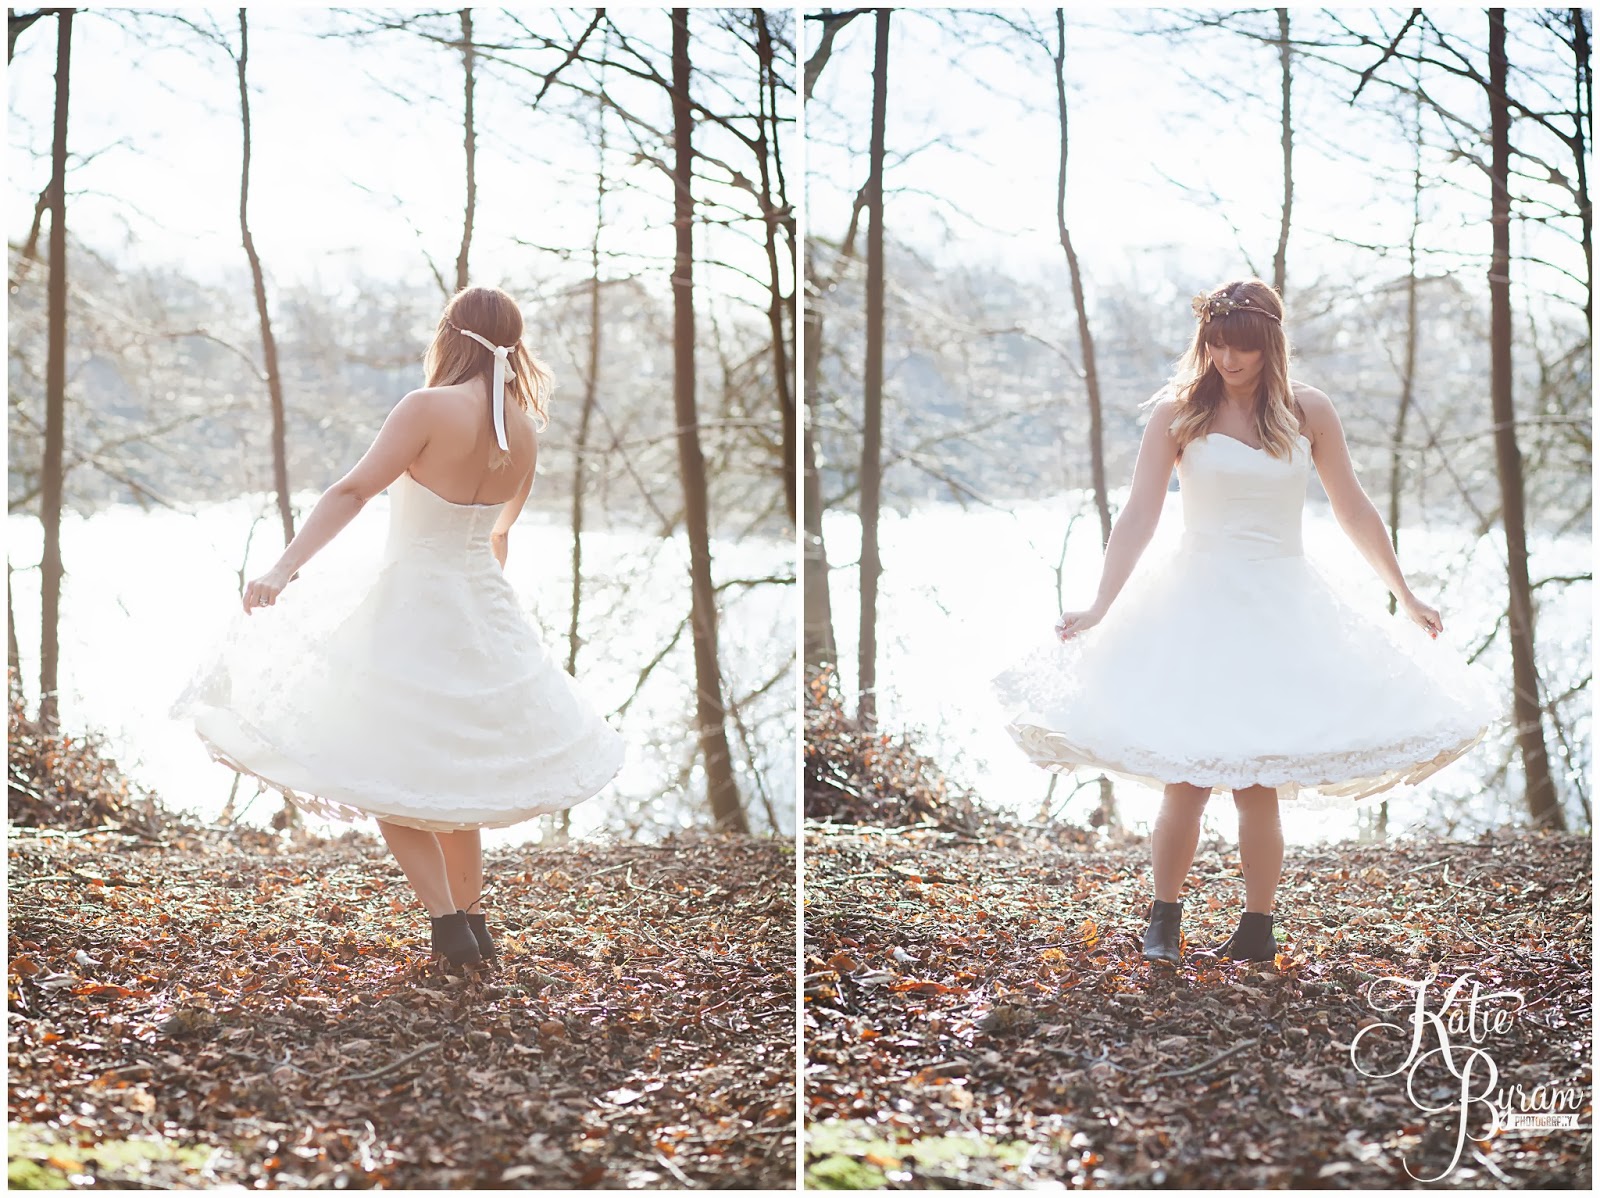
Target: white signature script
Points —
{"points": [[1468, 1015]]}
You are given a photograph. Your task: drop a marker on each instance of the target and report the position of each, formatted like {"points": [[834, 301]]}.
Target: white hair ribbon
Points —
{"points": [[502, 372]]}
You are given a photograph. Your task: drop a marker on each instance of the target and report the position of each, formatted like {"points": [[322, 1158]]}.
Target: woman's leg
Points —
{"points": [[463, 860], [1176, 836], [423, 861], [1260, 845]]}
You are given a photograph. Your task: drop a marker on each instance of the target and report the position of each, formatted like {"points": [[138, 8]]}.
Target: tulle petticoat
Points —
{"points": [[1228, 672], [420, 695]]}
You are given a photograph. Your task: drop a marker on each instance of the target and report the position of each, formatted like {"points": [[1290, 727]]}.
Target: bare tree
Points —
{"points": [[591, 390], [55, 391], [817, 604], [711, 716], [470, 138], [819, 646], [775, 215], [872, 395], [1408, 366], [13, 650], [1578, 143], [1091, 378], [1280, 255], [831, 23], [1542, 804], [269, 344]]}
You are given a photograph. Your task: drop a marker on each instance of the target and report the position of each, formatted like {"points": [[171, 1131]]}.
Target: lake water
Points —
{"points": [[966, 592], [145, 592]]}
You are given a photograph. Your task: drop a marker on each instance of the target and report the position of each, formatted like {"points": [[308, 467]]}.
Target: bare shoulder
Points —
{"points": [[413, 406], [439, 405], [1164, 411], [1316, 409], [433, 396], [1310, 400]]}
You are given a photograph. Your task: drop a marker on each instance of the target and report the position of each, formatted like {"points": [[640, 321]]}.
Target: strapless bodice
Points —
{"points": [[1242, 501], [422, 522]]}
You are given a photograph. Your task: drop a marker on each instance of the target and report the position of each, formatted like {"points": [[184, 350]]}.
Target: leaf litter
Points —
{"points": [[971, 980], [269, 1007]]}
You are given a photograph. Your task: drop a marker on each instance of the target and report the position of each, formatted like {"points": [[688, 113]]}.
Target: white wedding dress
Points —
{"points": [[425, 698], [1234, 662]]}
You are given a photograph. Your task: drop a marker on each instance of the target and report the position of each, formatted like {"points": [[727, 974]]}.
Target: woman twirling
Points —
{"points": [[1234, 664], [431, 703]]}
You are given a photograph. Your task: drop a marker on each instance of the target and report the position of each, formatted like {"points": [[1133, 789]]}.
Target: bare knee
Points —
{"points": [[1184, 801], [1256, 801]]}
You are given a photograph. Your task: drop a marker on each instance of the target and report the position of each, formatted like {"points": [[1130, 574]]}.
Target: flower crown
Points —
{"points": [[1208, 307]]}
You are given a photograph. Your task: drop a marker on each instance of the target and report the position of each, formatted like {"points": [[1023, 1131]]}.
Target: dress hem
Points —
{"points": [[322, 807], [1050, 750]]}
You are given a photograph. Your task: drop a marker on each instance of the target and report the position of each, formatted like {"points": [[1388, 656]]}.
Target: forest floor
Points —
{"points": [[191, 1008], [978, 1013]]}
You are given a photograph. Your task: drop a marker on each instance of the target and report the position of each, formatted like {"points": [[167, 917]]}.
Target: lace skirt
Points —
{"points": [[1229, 673], [421, 695]]}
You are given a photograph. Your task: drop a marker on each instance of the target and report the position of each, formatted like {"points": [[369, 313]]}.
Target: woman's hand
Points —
{"points": [[1073, 622], [264, 591], [1426, 617]]}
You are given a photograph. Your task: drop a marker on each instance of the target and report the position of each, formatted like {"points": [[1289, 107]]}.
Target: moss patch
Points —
{"points": [[853, 1155], [42, 1158]]}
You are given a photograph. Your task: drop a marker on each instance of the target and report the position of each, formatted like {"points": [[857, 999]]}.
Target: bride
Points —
{"points": [[428, 702], [1234, 664]]}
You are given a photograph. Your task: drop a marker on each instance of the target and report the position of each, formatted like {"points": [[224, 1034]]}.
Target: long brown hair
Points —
{"points": [[454, 357], [1198, 387]]}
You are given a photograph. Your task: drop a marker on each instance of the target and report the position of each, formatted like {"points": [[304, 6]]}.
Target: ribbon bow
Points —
{"points": [[502, 372]]}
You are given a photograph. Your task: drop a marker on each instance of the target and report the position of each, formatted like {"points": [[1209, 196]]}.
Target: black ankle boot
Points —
{"points": [[479, 923], [1252, 940], [1161, 937], [453, 939]]}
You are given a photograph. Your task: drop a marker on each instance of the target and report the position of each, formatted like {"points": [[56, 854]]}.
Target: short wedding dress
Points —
{"points": [[426, 698], [1234, 661]]}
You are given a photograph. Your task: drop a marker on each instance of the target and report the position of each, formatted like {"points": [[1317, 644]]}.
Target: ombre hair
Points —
{"points": [[454, 357], [1197, 386]]}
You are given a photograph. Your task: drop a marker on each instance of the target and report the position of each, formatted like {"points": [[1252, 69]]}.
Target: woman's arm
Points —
{"points": [[500, 537], [396, 446], [1352, 508], [1137, 521]]}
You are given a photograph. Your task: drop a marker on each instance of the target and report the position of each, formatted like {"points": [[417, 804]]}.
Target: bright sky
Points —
{"points": [[346, 174], [979, 112]]}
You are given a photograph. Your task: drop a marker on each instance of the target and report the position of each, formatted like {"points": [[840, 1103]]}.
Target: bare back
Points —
{"points": [[455, 462]]}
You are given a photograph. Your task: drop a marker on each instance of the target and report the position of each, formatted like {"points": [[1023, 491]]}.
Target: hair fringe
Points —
{"points": [[1197, 387]]}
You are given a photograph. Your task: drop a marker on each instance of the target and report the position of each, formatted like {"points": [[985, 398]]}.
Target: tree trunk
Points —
{"points": [[1091, 376], [55, 391], [1582, 105], [1542, 804], [591, 389], [1408, 369], [772, 216], [711, 715], [819, 648], [872, 405], [1280, 256], [1408, 382], [13, 650], [471, 140], [559, 824], [269, 346]]}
